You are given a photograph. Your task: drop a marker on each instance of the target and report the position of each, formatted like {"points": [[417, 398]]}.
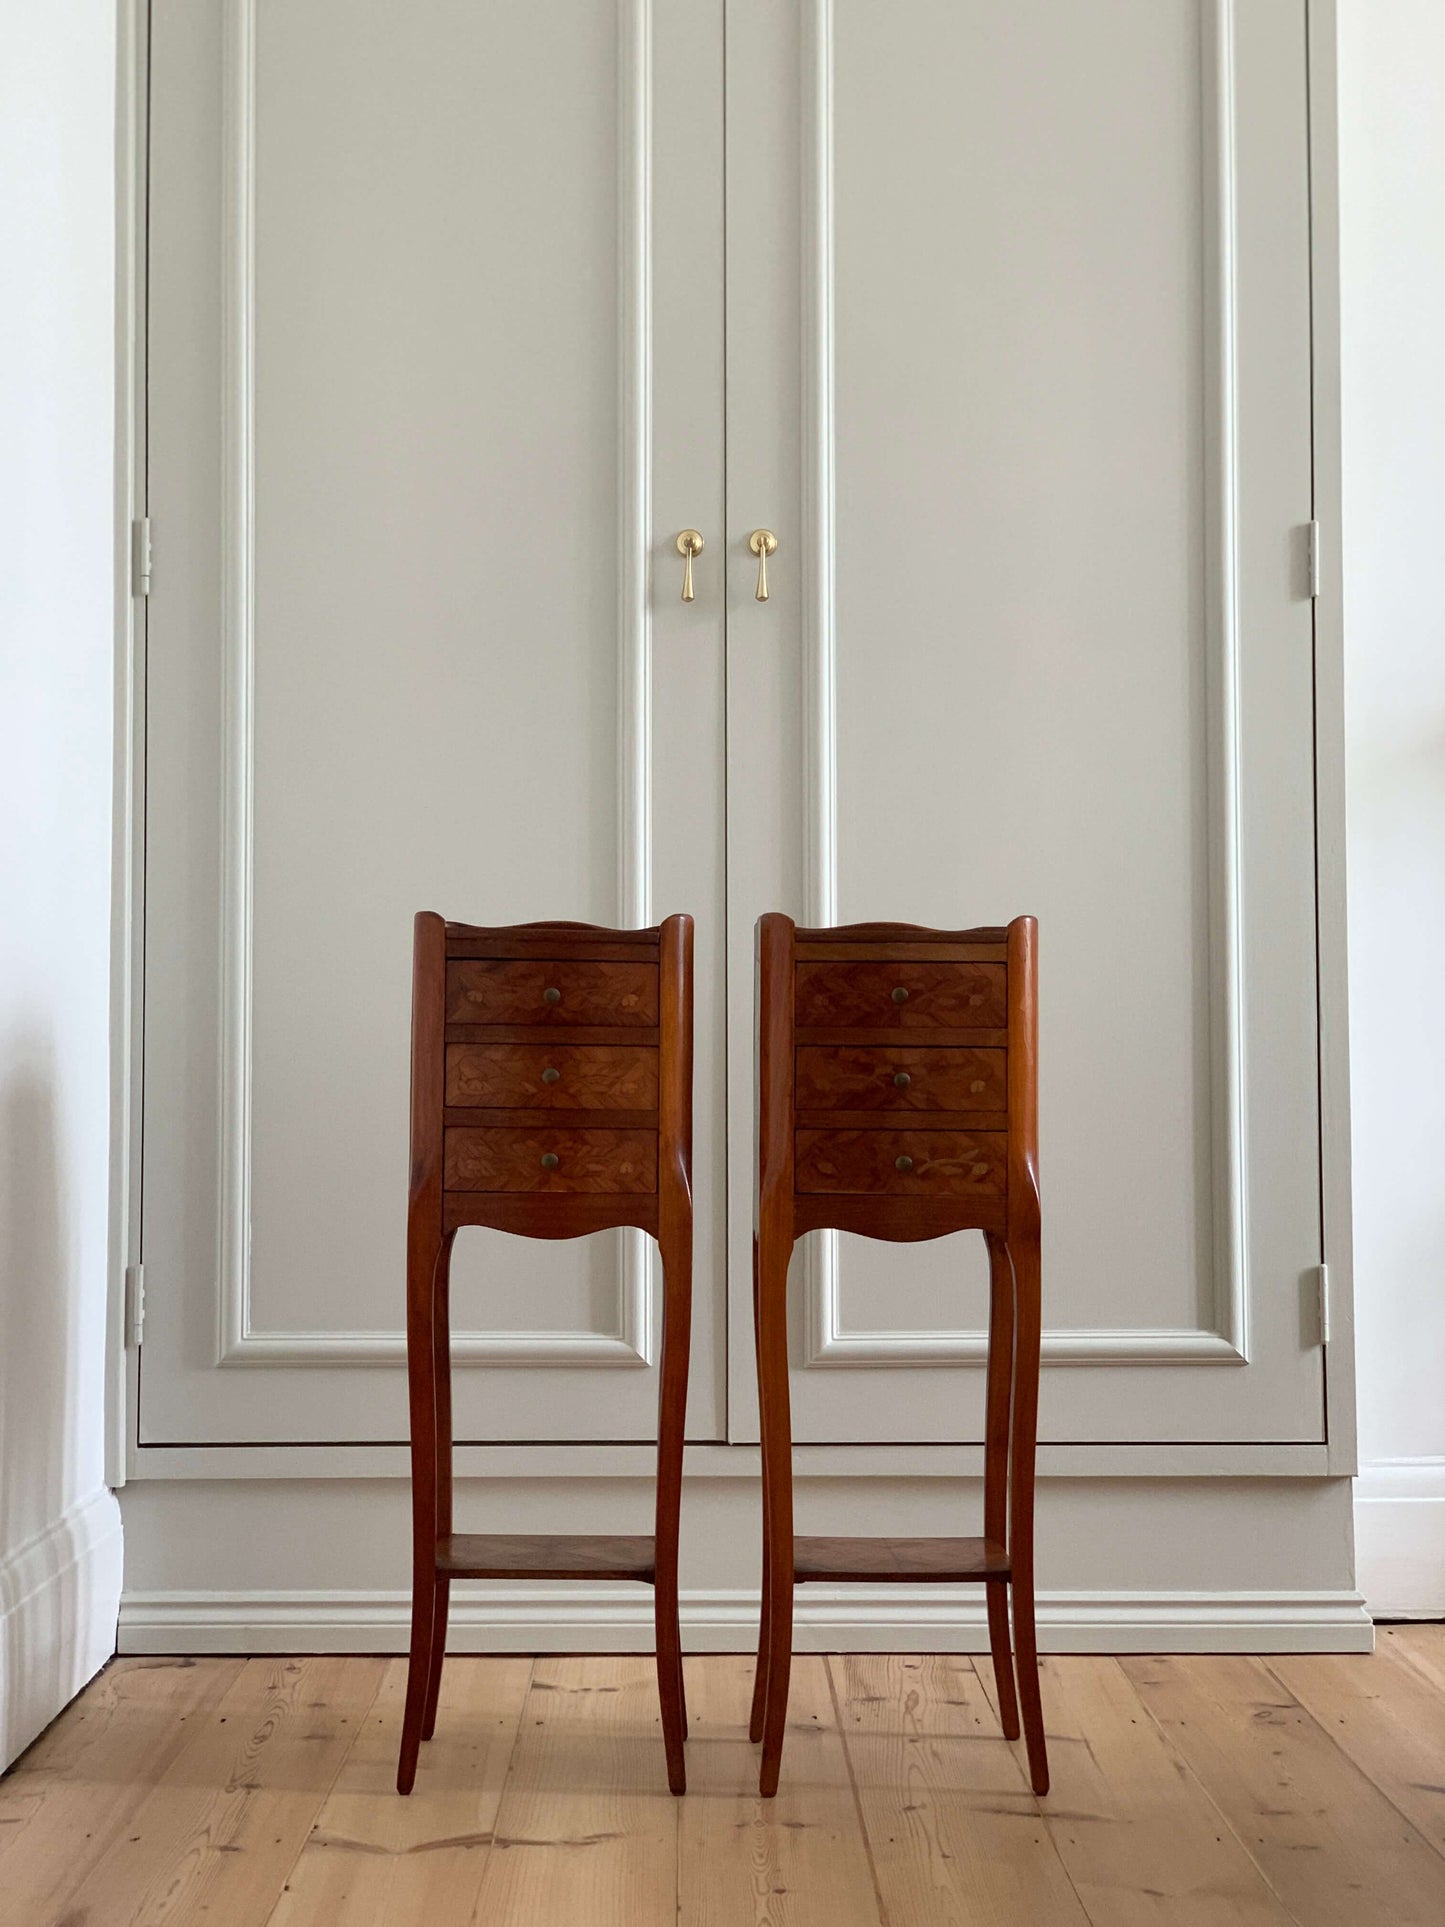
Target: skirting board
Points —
{"points": [[1400, 1537], [613, 1619], [59, 1596]]}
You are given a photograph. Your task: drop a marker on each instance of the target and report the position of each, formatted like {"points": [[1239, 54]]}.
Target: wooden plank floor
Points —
{"points": [[1212, 1792]]}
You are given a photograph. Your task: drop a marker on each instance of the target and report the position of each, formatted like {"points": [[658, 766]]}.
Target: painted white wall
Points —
{"points": [[59, 1526], [1392, 218]]}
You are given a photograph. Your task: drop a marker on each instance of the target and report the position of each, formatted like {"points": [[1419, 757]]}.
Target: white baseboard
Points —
{"points": [[1400, 1537], [609, 1619], [59, 1597]]}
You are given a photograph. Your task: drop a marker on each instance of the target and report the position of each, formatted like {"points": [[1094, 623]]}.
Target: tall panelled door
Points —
{"points": [[985, 332]]}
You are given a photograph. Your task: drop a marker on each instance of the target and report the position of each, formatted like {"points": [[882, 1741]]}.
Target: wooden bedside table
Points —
{"points": [[898, 1098], [551, 1095]]}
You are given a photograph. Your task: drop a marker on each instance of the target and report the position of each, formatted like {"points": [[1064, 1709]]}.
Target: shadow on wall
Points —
{"points": [[39, 1290]]}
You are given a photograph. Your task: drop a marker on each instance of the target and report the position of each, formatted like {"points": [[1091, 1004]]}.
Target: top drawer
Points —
{"points": [[906, 995], [521, 991]]}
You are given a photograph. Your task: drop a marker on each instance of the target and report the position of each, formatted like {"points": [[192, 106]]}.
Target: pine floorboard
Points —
{"points": [[1198, 1791]]}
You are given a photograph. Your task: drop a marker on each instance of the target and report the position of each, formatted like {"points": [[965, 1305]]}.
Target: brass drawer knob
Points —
{"points": [[550, 1160], [976, 1085], [550, 1076], [901, 1080], [551, 995], [900, 995], [903, 1164]]}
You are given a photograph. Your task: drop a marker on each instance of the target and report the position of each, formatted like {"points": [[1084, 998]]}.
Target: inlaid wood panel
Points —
{"points": [[512, 1160], [536, 991], [909, 994], [902, 1077], [903, 1163], [562, 1077]]}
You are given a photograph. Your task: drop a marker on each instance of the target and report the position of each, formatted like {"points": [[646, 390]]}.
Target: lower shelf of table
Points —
{"points": [[861, 1561], [540, 1555]]}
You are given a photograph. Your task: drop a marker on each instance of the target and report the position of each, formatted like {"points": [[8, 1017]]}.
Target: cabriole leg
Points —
{"points": [[995, 1471], [1025, 1256], [773, 1254], [676, 1246]]}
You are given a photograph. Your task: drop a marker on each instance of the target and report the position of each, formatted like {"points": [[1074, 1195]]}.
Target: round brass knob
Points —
{"points": [[901, 1080], [550, 1076], [976, 1085], [550, 1160], [551, 995], [900, 995], [903, 1164]]}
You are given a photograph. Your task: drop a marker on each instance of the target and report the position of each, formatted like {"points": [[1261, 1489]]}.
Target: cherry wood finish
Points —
{"points": [[491, 1144], [846, 1562], [910, 993], [901, 1077], [903, 1163], [537, 1555], [842, 1014], [550, 1158], [556, 992], [559, 1077]]}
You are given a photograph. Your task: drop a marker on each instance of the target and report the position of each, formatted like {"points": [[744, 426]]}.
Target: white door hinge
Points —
{"points": [[135, 1305], [1322, 1275], [1314, 559], [140, 556]]}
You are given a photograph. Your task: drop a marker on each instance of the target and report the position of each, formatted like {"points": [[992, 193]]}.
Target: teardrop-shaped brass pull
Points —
{"points": [[550, 1160], [763, 543], [689, 544]]}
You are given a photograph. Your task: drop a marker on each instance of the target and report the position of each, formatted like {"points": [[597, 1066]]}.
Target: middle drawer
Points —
{"points": [[560, 1077], [900, 1077]]}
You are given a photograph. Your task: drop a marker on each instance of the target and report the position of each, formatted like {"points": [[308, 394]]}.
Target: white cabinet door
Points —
{"points": [[1018, 370], [1019, 373], [435, 377]]}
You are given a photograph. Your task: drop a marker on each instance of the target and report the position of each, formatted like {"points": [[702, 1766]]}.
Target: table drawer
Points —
{"points": [[549, 1160], [901, 1077], [949, 1164], [521, 991], [909, 995], [559, 1077]]}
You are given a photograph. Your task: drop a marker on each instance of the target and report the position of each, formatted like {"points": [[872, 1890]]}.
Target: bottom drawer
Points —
{"points": [[546, 1160], [953, 1164]]}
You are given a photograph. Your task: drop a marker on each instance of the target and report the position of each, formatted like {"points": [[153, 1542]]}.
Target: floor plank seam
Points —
{"points": [[883, 1920], [1223, 1818], [326, 1792], [503, 1783], [1436, 1847]]}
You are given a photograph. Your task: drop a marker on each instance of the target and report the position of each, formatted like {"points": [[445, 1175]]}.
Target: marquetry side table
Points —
{"points": [[551, 1095], [898, 1098]]}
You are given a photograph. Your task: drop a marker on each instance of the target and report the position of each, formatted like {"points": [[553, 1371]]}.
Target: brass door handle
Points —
{"points": [[689, 544], [763, 543]]}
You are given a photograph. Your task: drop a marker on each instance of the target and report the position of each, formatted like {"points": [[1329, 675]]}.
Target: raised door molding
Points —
{"points": [[827, 1341], [630, 1343]]}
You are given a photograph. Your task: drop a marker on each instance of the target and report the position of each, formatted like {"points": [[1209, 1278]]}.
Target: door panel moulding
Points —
{"points": [[630, 1344], [827, 1341]]}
